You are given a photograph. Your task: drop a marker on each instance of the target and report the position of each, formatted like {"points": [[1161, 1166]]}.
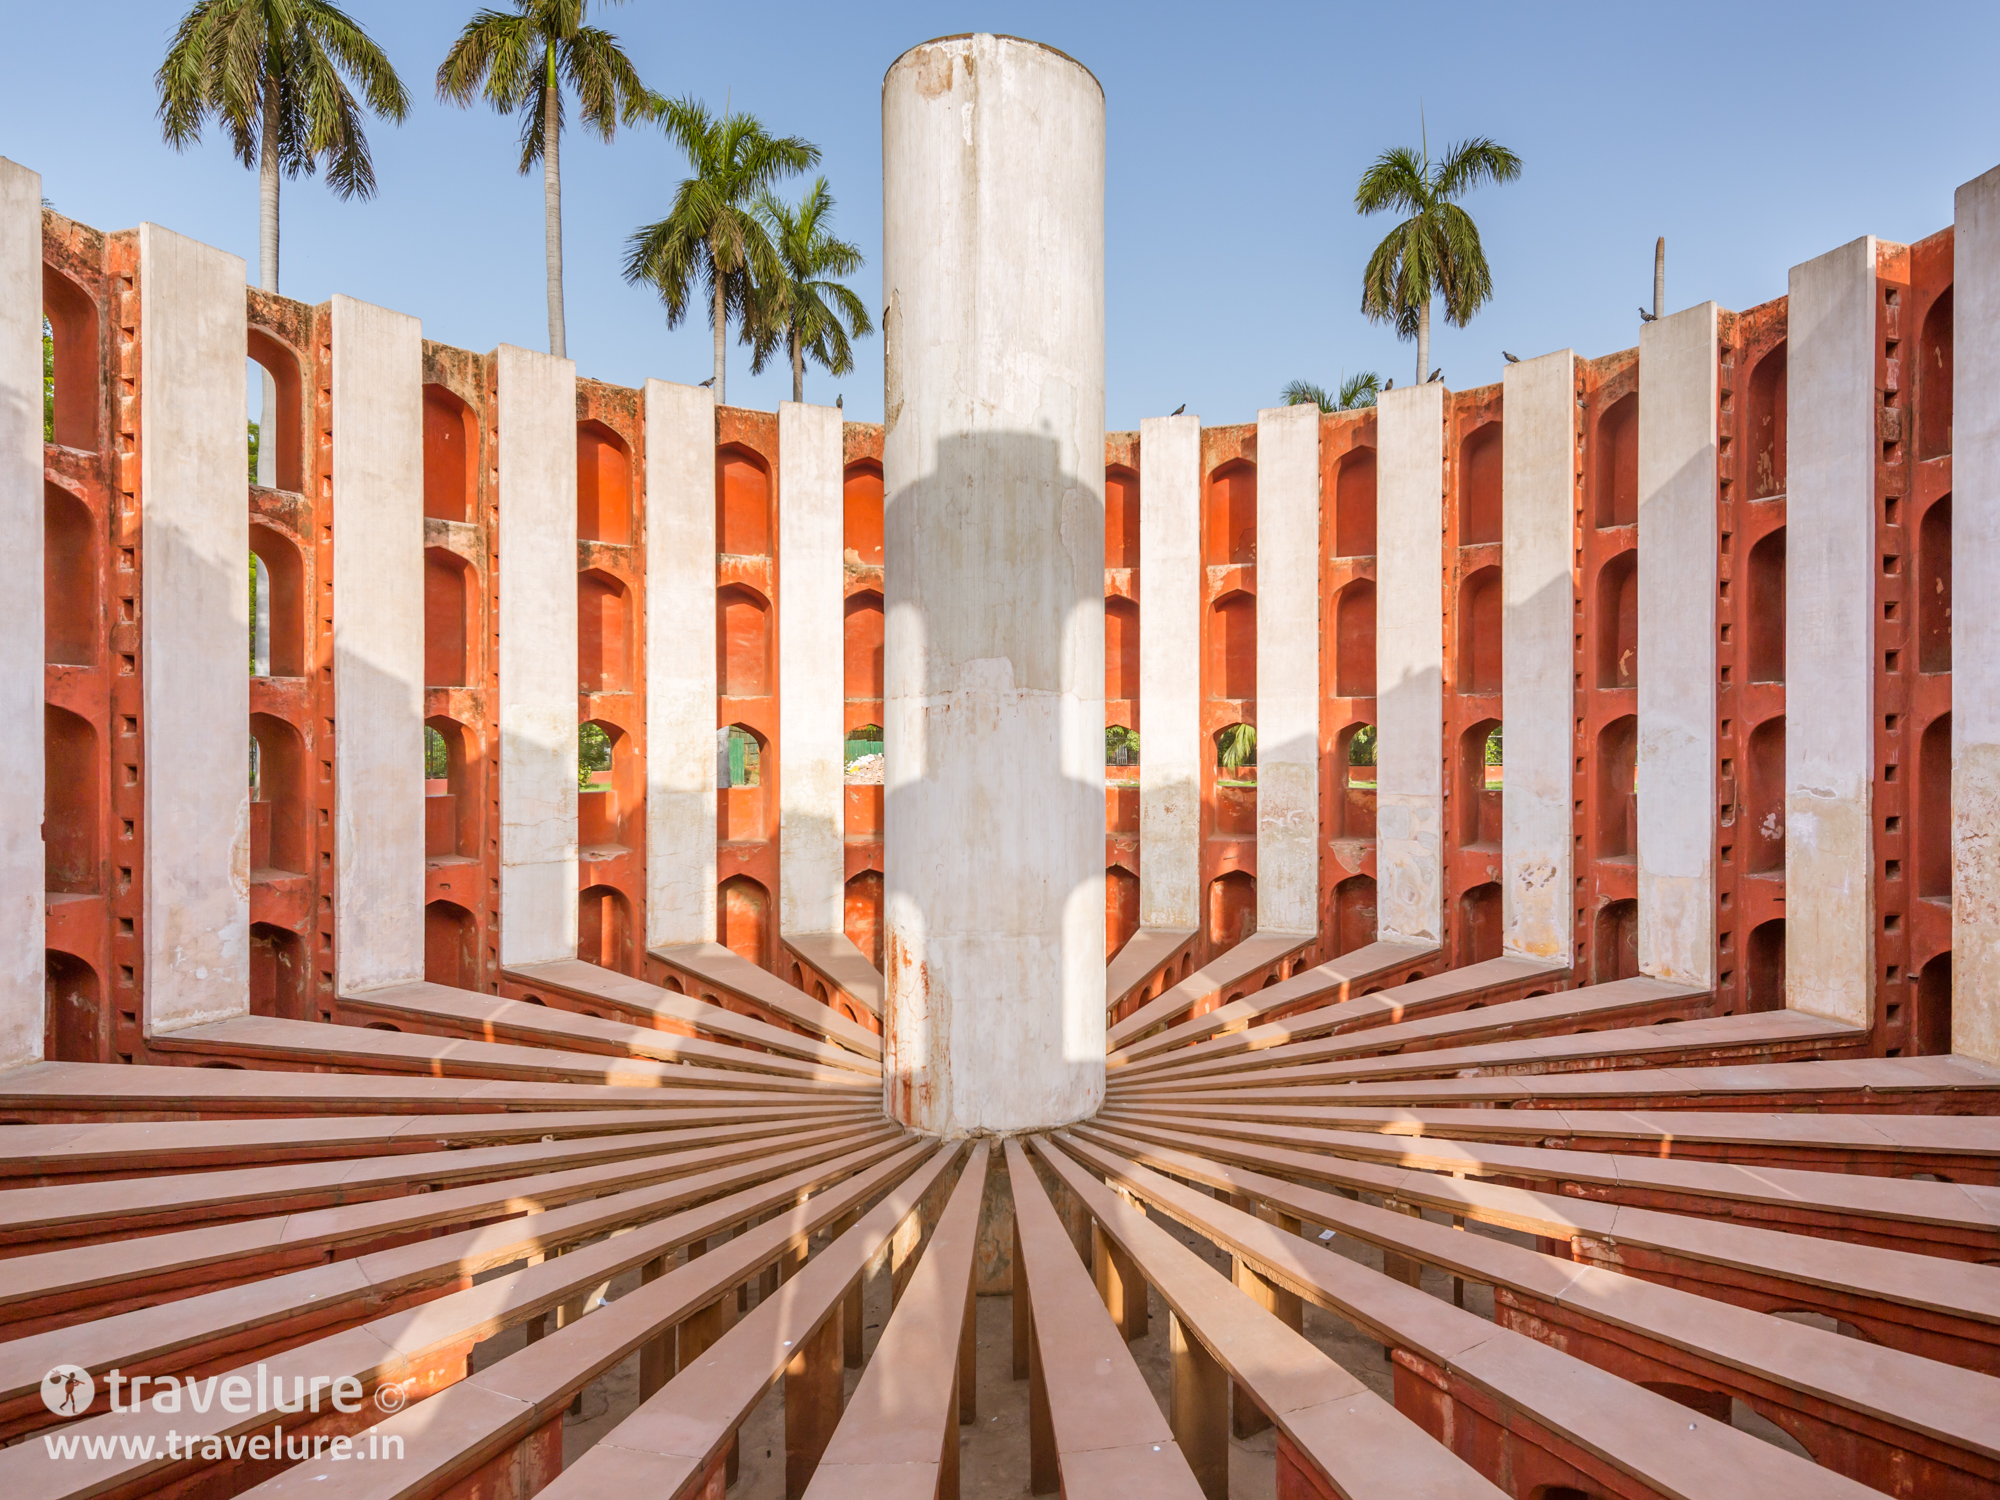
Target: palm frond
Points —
{"points": [[1360, 390], [1305, 393]]}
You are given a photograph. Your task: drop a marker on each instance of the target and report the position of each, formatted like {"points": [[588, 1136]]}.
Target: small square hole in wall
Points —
{"points": [[1891, 563], [1727, 975], [129, 723], [1725, 674], [126, 829], [1893, 870], [1892, 722], [1893, 922], [125, 610], [1892, 1014], [128, 558], [125, 925], [1725, 635], [1891, 660], [1895, 973], [1890, 510], [1892, 824], [1728, 854], [125, 974], [1889, 772], [127, 665], [1889, 610]]}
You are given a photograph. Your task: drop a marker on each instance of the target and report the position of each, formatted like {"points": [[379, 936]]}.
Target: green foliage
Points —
{"points": [[1355, 391], [797, 309], [593, 752], [253, 451], [1236, 747], [1493, 747], [48, 382], [1361, 749], [1435, 250], [864, 739], [1116, 738], [253, 588], [437, 760]]}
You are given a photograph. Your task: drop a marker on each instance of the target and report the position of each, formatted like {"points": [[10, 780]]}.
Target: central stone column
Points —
{"points": [[993, 666]]}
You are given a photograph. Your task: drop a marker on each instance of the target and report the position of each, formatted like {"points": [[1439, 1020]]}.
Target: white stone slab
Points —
{"points": [[1975, 622], [195, 501], [378, 645], [538, 670], [1288, 688], [1675, 771], [680, 664], [1537, 654], [22, 979], [1830, 569], [1170, 753], [811, 671], [1409, 665]]}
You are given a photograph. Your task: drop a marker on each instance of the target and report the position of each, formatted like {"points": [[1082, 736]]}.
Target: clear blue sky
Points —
{"points": [[1752, 136]]}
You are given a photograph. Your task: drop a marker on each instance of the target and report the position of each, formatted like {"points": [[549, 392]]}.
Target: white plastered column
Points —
{"points": [[378, 645], [680, 665], [537, 657], [1830, 570], [993, 662], [1975, 622], [1675, 772], [1288, 688], [1170, 672], [22, 863], [1537, 654], [1409, 665], [195, 498], [811, 669]]}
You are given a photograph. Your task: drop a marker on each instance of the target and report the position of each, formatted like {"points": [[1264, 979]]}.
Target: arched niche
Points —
{"points": [[1764, 967], [451, 620], [603, 633], [278, 360], [603, 485], [861, 914], [1479, 459], [861, 513], [1121, 517], [1764, 421], [1232, 647], [743, 918], [451, 450], [1354, 640], [743, 503], [1933, 799], [279, 979], [1615, 472], [606, 787], [1478, 792], [1617, 803], [1354, 790], [1934, 587], [70, 628], [1121, 649], [75, 340], [1614, 946], [1478, 933], [452, 800], [1933, 373], [280, 811], [1354, 913], [742, 807], [604, 928], [1232, 908], [861, 647], [1931, 1031], [73, 1022], [1354, 505], [742, 642], [1760, 838], [1764, 609], [1121, 909], [1618, 621], [451, 946], [1479, 609], [1231, 529], [284, 568], [70, 803]]}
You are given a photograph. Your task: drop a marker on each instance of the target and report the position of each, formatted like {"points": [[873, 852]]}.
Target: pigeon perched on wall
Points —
{"points": [[1436, 375], [708, 382], [1646, 317], [1512, 359], [1178, 410]]}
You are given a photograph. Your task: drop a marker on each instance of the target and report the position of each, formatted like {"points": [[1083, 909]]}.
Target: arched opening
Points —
{"points": [[739, 778], [743, 918], [1121, 909], [260, 617], [1479, 926], [863, 741], [861, 514], [861, 648], [72, 1014], [1614, 946], [74, 340], [1934, 380], [603, 485], [1764, 967], [1479, 458], [281, 601], [1934, 811], [1617, 803], [1232, 514], [1121, 649], [1764, 609], [278, 976], [451, 940], [1354, 640], [286, 468], [69, 803], [451, 800], [604, 928], [1765, 424], [1232, 908], [1761, 839], [861, 914], [1932, 1032], [450, 451], [69, 579], [743, 643], [280, 826], [1232, 647], [1121, 745], [1478, 789], [1121, 517], [1354, 505], [603, 634], [598, 822], [1354, 919], [1354, 759], [451, 623], [1236, 781], [1616, 473], [1618, 621], [1479, 632], [1934, 588], [743, 496]]}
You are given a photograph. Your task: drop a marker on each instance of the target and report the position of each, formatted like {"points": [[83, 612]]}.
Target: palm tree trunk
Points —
{"points": [[720, 317], [552, 206], [798, 367], [1424, 341], [267, 276]]}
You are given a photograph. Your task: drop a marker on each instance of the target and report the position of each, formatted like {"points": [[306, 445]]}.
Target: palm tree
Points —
{"points": [[797, 309], [1355, 391], [1435, 251], [275, 75], [712, 236], [521, 62], [1236, 747]]}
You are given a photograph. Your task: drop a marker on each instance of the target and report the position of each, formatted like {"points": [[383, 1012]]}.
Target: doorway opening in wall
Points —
{"points": [[71, 357], [604, 928], [72, 1026], [1931, 1032], [743, 911], [862, 914], [451, 939], [861, 756], [1121, 909], [599, 801], [1479, 925], [1764, 981], [1232, 908], [1614, 947], [1354, 787], [739, 782]]}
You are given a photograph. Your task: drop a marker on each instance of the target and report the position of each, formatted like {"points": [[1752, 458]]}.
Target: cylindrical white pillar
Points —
{"points": [[993, 665]]}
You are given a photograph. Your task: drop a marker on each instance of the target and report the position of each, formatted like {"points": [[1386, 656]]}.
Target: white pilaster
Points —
{"points": [[811, 671], [1288, 637], [1170, 672]]}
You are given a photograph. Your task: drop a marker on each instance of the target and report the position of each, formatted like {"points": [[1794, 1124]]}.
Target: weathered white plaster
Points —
{"points": [[1537, 654], [537, 656], [1675, 772], [22, 979], [680, 664], [195, 500], [1170, 672], [993, 464], [1288, 635], [378, 645], [811, 671], [1830, 571], [1409, 665], [1975, 622]]}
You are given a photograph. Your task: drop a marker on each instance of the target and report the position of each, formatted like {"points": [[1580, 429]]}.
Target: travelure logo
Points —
{"points": [[68, 1390]]}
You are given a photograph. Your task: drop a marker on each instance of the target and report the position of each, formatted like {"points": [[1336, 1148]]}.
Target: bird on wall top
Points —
{"points": [[1436, 375], [708, 382], [840, 402], [1388, 385], [1512, 359], [1178, 410], [1646, 317]]}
